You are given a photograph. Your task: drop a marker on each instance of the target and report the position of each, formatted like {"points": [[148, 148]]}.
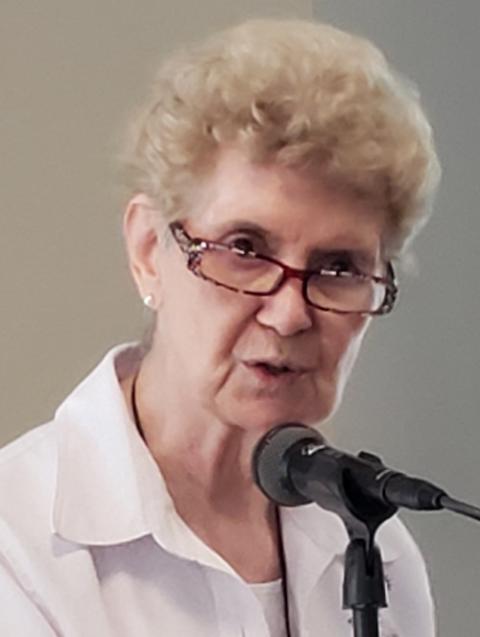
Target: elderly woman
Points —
{"points": [[273, 175]]}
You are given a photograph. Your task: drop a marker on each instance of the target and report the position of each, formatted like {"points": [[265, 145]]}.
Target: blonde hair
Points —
{"points": [[298, 93]]}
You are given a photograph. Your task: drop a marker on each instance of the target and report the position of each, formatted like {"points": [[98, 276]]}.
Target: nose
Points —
{"points": [[286, 311]]}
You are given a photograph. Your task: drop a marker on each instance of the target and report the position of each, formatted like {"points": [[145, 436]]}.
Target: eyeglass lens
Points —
{"points": [[256, 275]]}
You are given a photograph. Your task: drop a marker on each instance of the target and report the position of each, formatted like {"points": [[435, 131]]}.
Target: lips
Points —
{"points": [[277, 367], [276, 370]]}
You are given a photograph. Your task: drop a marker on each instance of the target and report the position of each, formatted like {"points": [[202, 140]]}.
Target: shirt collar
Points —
{"points": [[109, 490], [107, 482], [326, 532]]}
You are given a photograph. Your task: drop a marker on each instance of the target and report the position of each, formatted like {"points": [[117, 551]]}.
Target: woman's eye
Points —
{"points": [[243, 244], [342, 266], [339, 265]]}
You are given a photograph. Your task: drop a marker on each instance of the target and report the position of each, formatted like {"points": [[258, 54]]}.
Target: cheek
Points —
{"points": [[346, 346], [203, 323]]}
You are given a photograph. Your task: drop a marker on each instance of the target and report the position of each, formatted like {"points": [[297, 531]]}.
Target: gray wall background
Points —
{"points": [[70, 74], [414, 397]]}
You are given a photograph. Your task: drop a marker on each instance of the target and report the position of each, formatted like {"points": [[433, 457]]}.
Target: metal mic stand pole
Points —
{"points": [[363, 587], [364, 584]]}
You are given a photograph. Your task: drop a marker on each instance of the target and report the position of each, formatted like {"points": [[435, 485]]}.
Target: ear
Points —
{"points": [[141, 227]]}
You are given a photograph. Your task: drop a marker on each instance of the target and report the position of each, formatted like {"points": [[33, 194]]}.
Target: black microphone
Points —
{"points": [[293, 465]]}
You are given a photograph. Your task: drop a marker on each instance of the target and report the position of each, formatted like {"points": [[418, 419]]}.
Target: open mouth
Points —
{"points": [[274, 370], [269, 370]]}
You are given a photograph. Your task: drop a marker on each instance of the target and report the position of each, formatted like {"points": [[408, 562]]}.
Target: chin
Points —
{"points": [[263, 408], [265, 417]]}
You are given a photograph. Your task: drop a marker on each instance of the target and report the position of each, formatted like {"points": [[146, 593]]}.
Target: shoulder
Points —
{"points": [[395, 538], [28, 468], [29, 450], [41, 576], [407, 581], [326, 530]]}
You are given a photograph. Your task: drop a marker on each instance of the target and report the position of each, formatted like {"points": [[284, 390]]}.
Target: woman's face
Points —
{"points": [[212, 344]]}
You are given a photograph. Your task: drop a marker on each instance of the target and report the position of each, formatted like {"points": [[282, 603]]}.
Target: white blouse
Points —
{"points": [[270, 596], [91, 544]]}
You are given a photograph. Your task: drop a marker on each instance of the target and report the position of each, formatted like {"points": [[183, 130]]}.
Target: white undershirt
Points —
{"points": [[270, 596]]}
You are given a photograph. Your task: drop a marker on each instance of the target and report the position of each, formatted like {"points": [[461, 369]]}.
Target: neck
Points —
{"points": [[210, 462], [206, 468]]}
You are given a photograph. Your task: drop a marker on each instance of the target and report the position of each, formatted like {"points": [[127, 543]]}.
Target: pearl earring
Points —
{"points": [[149, 301]]}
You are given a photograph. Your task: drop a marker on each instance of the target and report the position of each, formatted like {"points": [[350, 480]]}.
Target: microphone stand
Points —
{"points": [[363, 585], [285, 469]]}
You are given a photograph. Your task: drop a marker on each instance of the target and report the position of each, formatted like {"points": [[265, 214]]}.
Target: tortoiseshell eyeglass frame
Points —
{"points": [[194, 247]]}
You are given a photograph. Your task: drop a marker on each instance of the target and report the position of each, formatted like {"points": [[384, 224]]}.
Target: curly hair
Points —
{"points": [[299, 93]]}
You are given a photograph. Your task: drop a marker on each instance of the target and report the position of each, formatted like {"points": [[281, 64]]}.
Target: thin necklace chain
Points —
{"points": [[283, 568], [136, 417], [281, 547]]}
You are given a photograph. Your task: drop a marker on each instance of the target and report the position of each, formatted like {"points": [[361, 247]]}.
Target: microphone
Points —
{"points": [[293, 465]]}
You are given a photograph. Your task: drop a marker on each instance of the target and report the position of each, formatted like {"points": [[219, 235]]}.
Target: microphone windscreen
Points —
{"points": [[270, 461]]}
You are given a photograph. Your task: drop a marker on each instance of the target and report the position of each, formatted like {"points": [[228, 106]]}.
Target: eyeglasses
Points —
{"points": [[344, 291]]}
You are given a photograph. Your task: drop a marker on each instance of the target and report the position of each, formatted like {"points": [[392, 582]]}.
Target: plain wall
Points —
{"points": [[415, 394], [71, 73]]}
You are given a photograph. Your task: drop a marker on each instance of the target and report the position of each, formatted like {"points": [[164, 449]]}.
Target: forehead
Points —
{"points": [[293, 207]]}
